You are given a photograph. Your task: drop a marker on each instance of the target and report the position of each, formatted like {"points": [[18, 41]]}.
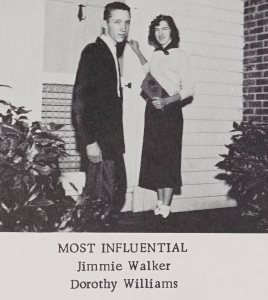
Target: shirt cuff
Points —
{"points": [[185, 93], [146, 67]]}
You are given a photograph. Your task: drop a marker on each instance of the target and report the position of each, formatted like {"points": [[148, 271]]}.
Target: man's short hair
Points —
{"points": [[113, 6]]}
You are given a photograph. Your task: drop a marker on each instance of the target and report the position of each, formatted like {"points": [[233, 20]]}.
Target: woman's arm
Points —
{"points": [[185, 74], [159, 103], [135, 47]]}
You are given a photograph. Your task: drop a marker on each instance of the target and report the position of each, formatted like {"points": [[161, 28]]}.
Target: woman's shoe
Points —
{"points": [[164, 210], [157, 210]]}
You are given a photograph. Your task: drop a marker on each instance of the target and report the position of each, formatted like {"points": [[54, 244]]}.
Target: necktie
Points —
{"points": [[117, 56]]}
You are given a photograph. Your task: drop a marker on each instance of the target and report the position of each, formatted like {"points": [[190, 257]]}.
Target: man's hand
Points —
{"points": [[94, 153]]}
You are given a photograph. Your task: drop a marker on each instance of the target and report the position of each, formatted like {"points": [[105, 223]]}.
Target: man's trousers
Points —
{"points": [[107, 181]]}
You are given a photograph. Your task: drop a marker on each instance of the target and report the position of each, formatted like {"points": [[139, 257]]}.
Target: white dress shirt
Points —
{"points": [[112, 46]]}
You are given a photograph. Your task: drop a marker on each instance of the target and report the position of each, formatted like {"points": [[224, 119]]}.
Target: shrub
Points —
{"points": [[31, 197], [246, 166]]}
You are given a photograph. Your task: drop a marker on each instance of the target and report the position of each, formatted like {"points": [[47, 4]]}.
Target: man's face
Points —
{"points": [[117, 26]]}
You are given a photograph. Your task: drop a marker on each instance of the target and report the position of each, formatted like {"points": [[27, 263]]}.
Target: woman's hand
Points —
{"points": [[158, 102], [134, 45]]}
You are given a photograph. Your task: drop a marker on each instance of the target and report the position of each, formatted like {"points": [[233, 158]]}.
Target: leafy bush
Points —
{"points": [[31, 197], [87, 215], [246, 166]]}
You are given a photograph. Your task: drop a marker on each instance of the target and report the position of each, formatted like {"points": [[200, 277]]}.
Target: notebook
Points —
{"points": [[151, 88]]}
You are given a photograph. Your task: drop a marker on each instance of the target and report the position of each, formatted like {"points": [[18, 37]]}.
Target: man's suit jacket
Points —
{"points": [[96, 108]]}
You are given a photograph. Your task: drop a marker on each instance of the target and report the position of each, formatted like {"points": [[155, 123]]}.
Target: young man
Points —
{"points": [[97, 111]]}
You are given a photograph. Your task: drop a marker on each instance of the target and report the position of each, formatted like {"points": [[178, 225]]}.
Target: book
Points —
{"points": [[151, 88]]}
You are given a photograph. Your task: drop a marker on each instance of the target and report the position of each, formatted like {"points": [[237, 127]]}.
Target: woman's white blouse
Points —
{"points": [[172, 71]]}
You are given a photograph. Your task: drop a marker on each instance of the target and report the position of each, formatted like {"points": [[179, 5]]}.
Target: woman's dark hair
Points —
{"points": [[113, 6], [175, 37]]}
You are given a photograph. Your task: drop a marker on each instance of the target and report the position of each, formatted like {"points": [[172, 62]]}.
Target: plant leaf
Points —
{"points": [[10, 129], [33, 193], [21, 110], [4, 85], [4, 102], [236, 126], [55, 127], [73, 186]]}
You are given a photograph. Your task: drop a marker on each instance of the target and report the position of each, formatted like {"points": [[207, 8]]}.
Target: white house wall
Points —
{"points": [[21, 52]]}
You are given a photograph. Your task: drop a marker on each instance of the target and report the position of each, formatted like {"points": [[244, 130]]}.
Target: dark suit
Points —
{"points": [[97, 117]]}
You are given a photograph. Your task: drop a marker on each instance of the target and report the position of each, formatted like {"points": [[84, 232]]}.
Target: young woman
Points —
{"points": [[161, 154]]}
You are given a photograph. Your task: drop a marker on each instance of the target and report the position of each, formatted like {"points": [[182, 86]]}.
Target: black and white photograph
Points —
{"points": [[131, 131]]}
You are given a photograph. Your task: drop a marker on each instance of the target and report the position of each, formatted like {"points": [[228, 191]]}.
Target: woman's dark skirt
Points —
{"points": [[161, 153]]}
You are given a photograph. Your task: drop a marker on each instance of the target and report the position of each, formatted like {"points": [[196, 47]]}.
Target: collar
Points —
{"points": [[109, 41], [171, 45]]}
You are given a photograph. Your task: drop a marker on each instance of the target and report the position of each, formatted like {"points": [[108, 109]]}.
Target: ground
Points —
{"points": [[225, 220]]}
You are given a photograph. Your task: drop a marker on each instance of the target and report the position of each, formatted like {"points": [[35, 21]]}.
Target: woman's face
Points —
{"points": [[163, 33]]}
